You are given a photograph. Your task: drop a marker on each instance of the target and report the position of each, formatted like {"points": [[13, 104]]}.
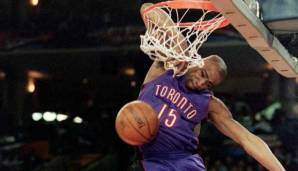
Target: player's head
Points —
{"points": [[211, 74]]}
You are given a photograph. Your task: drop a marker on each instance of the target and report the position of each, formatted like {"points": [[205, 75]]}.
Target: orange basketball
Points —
{"points": [[137, 123]]}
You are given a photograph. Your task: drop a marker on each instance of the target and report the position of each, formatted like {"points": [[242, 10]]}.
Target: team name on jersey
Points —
{"points": [[180, 101]]}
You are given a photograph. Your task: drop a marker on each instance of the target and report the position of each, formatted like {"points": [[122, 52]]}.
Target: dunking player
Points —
{"points": [[181, 104]]}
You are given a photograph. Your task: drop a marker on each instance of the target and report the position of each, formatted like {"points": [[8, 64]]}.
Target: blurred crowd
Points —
{"points": [[94, 145], [271, 123]]}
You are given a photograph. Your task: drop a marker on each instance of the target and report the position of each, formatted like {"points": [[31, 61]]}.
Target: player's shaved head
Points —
{"points": [[219, 63]]}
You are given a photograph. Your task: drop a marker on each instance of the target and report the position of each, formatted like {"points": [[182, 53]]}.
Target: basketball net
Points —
{"points": [[170, 40]]}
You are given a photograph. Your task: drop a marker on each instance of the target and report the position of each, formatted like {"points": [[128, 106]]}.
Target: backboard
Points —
{"points": [[259, 23], [280, 16]]}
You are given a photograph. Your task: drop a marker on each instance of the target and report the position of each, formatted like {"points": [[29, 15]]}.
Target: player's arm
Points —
{"points": [[154, 71], [157, 67], [222, 118], [160, 18]]}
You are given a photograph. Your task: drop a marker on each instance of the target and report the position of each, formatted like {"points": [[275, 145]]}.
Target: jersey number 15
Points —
{"points": [[171, 115]]}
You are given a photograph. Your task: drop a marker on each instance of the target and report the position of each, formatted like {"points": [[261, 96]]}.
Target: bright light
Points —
{"points": [[77, 120], [37, 74], [30, 85], [61, 117], [129, 71], [34, 2], [49, 116], [133, 83], [36, 116]]}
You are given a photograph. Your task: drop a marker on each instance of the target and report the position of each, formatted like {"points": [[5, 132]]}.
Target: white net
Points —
{"points": [[167, 40]]}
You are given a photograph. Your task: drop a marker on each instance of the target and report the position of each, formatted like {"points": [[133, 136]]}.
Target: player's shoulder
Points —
{"points": [[216, 104], [206, 93], [157, 79], [154, 71], [214, 100]]}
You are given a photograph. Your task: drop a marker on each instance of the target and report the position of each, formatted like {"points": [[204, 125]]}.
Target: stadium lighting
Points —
{"points": [[129, 71], [31, 85], [34, 2], [61, 117], [36, 116], [133, 83], [49, 116], [77, 120]]}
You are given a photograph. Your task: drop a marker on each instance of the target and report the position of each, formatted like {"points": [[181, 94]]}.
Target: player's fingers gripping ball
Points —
{"points": [[137, 123]]}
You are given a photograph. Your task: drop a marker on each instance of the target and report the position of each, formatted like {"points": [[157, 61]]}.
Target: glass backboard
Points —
{"points": [[250, 19]]}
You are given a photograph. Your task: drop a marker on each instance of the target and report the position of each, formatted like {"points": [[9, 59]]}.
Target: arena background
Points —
{"points": [[68, 66]]}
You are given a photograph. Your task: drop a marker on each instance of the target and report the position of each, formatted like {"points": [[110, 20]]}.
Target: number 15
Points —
{"points": [[171, 116]]}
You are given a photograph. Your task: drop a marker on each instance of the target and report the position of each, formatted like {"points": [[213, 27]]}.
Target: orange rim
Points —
{"points": [[191, 4], [202, 25]]}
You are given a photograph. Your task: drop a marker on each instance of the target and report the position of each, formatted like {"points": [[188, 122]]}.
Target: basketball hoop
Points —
{"points": [[169, 36]]}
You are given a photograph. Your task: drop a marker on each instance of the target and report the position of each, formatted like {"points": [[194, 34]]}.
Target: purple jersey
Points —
{"points": [[179, 110]]}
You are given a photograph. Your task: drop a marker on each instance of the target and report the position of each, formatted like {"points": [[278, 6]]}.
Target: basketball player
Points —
{"points": [[182, 103]]}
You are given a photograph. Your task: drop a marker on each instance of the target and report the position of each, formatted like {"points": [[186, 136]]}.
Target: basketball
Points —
{"points": [[137, 123]]}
